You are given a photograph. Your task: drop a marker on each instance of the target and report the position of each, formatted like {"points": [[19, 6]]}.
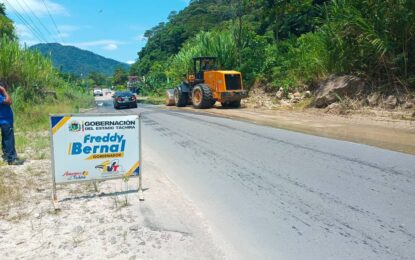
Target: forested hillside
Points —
{"points": [[78, 62], [281, 43]]}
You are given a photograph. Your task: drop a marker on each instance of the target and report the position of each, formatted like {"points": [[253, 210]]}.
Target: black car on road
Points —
{"points": [[124, 99]]}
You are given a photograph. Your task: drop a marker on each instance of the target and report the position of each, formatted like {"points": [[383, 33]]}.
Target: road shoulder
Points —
{"points": [[383, 132]]}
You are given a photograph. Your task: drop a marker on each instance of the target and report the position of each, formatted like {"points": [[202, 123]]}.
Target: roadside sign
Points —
{"points": [[94, 147]]}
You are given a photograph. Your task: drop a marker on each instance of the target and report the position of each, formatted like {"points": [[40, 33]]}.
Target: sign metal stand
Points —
{"points": [[140, 177]]}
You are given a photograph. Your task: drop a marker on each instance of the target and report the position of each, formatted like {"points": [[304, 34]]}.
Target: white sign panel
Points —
{"points": [[95, 147]]}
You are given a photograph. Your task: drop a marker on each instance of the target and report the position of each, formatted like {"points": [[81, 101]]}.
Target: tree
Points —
{"points": [[98, 78], [289, 18], [120, 77], [241, 7], [6, 25]]}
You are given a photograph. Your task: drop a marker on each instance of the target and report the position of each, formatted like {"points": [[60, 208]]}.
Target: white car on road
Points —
{"points": [[98, 92]]}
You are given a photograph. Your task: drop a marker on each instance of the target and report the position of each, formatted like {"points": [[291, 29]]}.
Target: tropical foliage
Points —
{"points": [[120, 76], [6, 25], [281, 43]]}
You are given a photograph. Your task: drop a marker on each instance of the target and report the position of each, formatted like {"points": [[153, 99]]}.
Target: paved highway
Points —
{"points": [[275, 194]]}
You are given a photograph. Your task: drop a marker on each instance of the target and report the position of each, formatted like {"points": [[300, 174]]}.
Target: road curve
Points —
{"points": [[276, 194]]}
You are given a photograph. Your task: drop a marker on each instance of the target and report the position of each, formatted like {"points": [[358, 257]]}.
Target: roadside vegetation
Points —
{"points": [[37, 90], [152, 99], [286, 44]]}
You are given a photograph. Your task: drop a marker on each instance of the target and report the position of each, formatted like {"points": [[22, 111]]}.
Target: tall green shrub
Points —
{"points": [[373, 38], [219, 44]]}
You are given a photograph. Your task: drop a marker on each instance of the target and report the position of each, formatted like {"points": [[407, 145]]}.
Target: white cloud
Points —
{"points": [[64, 31], [23, 32], [26, 37], [140, 38], [130, 62], [37, 6], [110, 47], [62, 35], [96, 43], [67, 28]]}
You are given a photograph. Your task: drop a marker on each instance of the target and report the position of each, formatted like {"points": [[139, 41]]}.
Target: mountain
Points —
{"points": [[76, 61]]}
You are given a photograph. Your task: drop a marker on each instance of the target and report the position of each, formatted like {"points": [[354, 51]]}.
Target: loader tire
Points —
{"points": [[202, 96], [180, 98]]}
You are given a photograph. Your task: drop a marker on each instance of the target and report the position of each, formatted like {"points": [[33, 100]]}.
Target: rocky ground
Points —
{"points": [[109, 224], [337, 95]]}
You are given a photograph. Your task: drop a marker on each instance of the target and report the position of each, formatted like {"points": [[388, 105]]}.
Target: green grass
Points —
{"points": [[32, 117], [155, 100], [32, 126], [303, 104], [9, 191], [32, 122], [37, 144]]}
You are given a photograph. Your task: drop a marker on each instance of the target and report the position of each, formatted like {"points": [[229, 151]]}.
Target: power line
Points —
{"points": [[32, 22], [39, 21], [23, 21], [21, 18], [53, 20]]}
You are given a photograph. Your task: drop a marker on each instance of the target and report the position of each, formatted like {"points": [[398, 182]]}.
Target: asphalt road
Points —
{"points": [[275, 194]]}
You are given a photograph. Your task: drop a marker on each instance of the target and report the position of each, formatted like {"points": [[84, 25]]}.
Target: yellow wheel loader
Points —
{"points": [[206, 85]]}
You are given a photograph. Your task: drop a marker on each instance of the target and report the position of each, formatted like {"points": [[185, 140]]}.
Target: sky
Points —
{"points": [[111, 28]]}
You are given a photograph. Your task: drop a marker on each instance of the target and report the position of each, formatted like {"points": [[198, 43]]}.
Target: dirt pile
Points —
{"points": [[343, 89], [259, 98], [336, 95], [335, 88]]}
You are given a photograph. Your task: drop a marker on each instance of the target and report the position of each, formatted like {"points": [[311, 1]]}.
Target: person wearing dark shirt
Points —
{"points": [[6, 126]]}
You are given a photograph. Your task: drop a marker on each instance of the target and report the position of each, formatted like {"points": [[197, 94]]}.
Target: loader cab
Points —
{"points": [[202, 64]]}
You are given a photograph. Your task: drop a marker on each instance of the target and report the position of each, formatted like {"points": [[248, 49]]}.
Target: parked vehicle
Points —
{"points": [[98, 92], [124, 99]]}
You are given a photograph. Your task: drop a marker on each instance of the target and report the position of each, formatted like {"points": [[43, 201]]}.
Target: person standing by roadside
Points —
{"points": [[6, 125]]}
